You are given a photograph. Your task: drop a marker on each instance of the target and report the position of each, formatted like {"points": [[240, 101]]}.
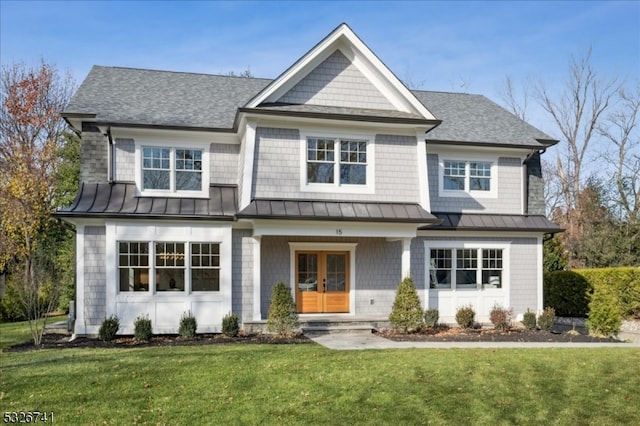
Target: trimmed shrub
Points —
{"points": [[465, 316], [620, 286], [142, 329], [604, 315], [431, 317], [406, 313], [501, 317], [109, 328], [282, 318], [566, 292], [546, 319], [529, 320], [230, 327], [188, 325]]}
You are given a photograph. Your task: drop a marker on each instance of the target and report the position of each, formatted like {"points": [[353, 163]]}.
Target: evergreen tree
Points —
{"points": [[282, 318], [406, 314]]}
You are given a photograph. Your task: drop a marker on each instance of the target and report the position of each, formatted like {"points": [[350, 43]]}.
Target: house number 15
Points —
{"points": [[338, 231]]}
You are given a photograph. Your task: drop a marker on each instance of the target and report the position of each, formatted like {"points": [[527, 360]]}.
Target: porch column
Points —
{"points": [[257, 313], [406, 257]]}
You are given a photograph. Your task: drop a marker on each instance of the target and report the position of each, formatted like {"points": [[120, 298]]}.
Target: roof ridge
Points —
{"points": [[179, 72]]}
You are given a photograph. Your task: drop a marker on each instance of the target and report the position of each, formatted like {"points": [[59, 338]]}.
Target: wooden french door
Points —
{"points": [[322, 281]]}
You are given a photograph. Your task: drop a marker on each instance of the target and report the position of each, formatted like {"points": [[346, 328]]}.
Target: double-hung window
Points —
{"points": [[467, 176], [466, 268], [171, 169], [337, 163]]}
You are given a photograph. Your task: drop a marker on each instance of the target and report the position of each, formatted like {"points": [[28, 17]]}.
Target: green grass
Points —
{"points": [[308, 384], [12, 333]]}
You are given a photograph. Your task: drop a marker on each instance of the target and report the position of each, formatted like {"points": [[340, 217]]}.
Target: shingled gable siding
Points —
{"points": [[509, 200], [93, 157], [378, 264], [535, 184], [337, 82], [94, 275], [125, 170], [277, 168], [242, 277], [223, 165]]}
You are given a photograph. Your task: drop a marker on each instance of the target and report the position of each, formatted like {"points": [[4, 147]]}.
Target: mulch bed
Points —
{"points": [[60, 341], [454, 334]]}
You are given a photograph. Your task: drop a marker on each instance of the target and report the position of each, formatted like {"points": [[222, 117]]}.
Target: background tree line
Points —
{"points": [[592, 177], [39, 172]]}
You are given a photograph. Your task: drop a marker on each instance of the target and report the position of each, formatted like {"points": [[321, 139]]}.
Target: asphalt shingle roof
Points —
{"points": [[474, 118], [147, 97]]}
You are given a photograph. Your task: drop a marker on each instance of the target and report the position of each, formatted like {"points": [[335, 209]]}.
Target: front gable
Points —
{"points": [[341, 71]]}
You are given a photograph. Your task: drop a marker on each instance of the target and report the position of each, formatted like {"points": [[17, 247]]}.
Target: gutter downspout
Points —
{"points": [[110, 156]]}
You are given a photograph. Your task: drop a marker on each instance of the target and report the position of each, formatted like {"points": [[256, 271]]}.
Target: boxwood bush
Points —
{"points": [[567, 293], [406, 313]]}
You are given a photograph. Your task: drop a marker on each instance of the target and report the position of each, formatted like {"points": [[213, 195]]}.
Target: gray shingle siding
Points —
{"points": [[95, 295], [508, 201], [93, 157], [337, 82], [223, 163], [125, 170], [276, 173]]}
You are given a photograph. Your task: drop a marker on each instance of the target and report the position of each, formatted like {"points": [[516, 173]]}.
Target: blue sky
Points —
{"points": [[446, 46]]}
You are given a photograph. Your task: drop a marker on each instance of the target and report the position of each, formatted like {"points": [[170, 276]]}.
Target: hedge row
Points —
{"points": [[606, 296]]}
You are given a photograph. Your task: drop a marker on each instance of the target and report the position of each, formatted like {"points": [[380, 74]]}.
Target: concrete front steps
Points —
{"points": [[327, 324]]}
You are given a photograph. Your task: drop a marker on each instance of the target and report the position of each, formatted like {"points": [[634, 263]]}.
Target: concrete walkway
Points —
{"points": [[345, 341]]}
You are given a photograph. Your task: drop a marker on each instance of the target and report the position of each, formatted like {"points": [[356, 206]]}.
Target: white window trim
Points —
{"points": [[493, 193], [153, 268], [205, 147], [336, 187], [475, 245]]}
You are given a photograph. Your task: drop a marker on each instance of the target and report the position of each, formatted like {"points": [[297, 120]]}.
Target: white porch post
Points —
{"points": [[257, 313], [80, 326], [406, 257]]}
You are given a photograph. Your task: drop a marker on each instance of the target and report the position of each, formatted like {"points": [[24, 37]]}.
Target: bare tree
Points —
{"points": [[620, 128], [577, 111], [30, 134], [515, 101]]}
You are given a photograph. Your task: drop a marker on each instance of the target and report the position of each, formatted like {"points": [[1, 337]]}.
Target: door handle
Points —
{"points": [[324, 285]]}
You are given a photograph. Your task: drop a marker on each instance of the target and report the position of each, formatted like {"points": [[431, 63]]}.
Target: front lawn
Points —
{"points": [[308, 384], [12, 333]]}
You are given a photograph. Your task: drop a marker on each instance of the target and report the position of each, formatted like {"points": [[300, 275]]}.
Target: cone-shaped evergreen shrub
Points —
{"points": [[283, 318], [406, 314]]}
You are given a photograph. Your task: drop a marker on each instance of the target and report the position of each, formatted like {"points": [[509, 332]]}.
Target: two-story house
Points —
{"points": [[200, 192]]}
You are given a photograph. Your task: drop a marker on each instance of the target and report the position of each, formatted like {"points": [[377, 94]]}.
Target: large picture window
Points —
{"points": [[171, 169], [336, 161], [467, 176], [465, 268], [163, 266]]}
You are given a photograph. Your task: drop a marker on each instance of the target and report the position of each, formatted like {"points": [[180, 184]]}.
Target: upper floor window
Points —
{"points": [[163, 169], [171, 169], [458, 176], [334, 163]]}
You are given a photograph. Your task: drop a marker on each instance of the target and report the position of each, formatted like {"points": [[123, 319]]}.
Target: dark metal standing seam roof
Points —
{"points": [[120, 200], [492, 222], [337, 210]]}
